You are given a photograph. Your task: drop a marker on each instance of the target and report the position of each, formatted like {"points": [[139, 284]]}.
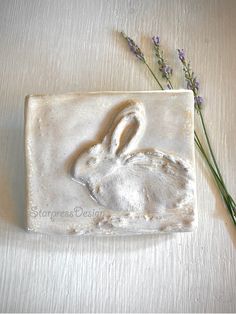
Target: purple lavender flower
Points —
{"points": [[134, 48], [190, 78], [181, 55], [156, 40], [138, 53], [196, 83], [198, 100], [193, 84], [164, 68]]}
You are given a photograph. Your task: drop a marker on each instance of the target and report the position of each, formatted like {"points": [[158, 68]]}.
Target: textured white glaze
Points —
{"points": [[132, 153], [60, 46]]}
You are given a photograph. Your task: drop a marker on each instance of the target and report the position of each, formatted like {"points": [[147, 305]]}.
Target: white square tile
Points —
{"points": [[110, 163]]}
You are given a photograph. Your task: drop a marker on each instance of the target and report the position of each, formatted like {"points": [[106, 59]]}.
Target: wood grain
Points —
{"points": [[61, 46]]}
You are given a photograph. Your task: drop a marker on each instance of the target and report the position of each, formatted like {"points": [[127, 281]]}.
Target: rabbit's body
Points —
{"points": [[153, 183], [144, 181]]}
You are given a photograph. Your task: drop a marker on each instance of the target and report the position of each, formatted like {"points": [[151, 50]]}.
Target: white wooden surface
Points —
{"points": [[62, 46]]}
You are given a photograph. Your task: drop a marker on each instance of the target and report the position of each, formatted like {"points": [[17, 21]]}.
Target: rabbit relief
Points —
{"points": [[120, 177]]}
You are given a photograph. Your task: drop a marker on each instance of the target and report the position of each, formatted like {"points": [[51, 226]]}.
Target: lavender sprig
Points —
{"points": [[164, 68], [193, 84], [191, 79], [134, 48], [140, 56]]}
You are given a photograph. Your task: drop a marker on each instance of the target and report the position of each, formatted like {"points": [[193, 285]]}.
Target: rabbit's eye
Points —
{"points": [[92, 161]]}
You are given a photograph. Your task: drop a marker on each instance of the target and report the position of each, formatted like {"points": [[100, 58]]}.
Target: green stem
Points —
{"points": [[168, 80], [212, 155], [197, 141], [215, 174], [209, 145], [224, 193], [154, 76]]}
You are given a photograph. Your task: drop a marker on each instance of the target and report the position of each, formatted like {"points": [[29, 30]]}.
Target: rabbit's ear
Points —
{"points": [[127, 129]]}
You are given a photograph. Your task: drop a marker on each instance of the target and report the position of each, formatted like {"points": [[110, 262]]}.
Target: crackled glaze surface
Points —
{"points": [[110, 163]]}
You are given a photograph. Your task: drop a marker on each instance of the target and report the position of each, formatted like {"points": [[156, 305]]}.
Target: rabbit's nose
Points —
{"points": [[76, 175]]}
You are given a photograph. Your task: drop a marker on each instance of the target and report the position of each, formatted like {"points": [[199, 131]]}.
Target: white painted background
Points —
{"points": [[62, 46]]}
